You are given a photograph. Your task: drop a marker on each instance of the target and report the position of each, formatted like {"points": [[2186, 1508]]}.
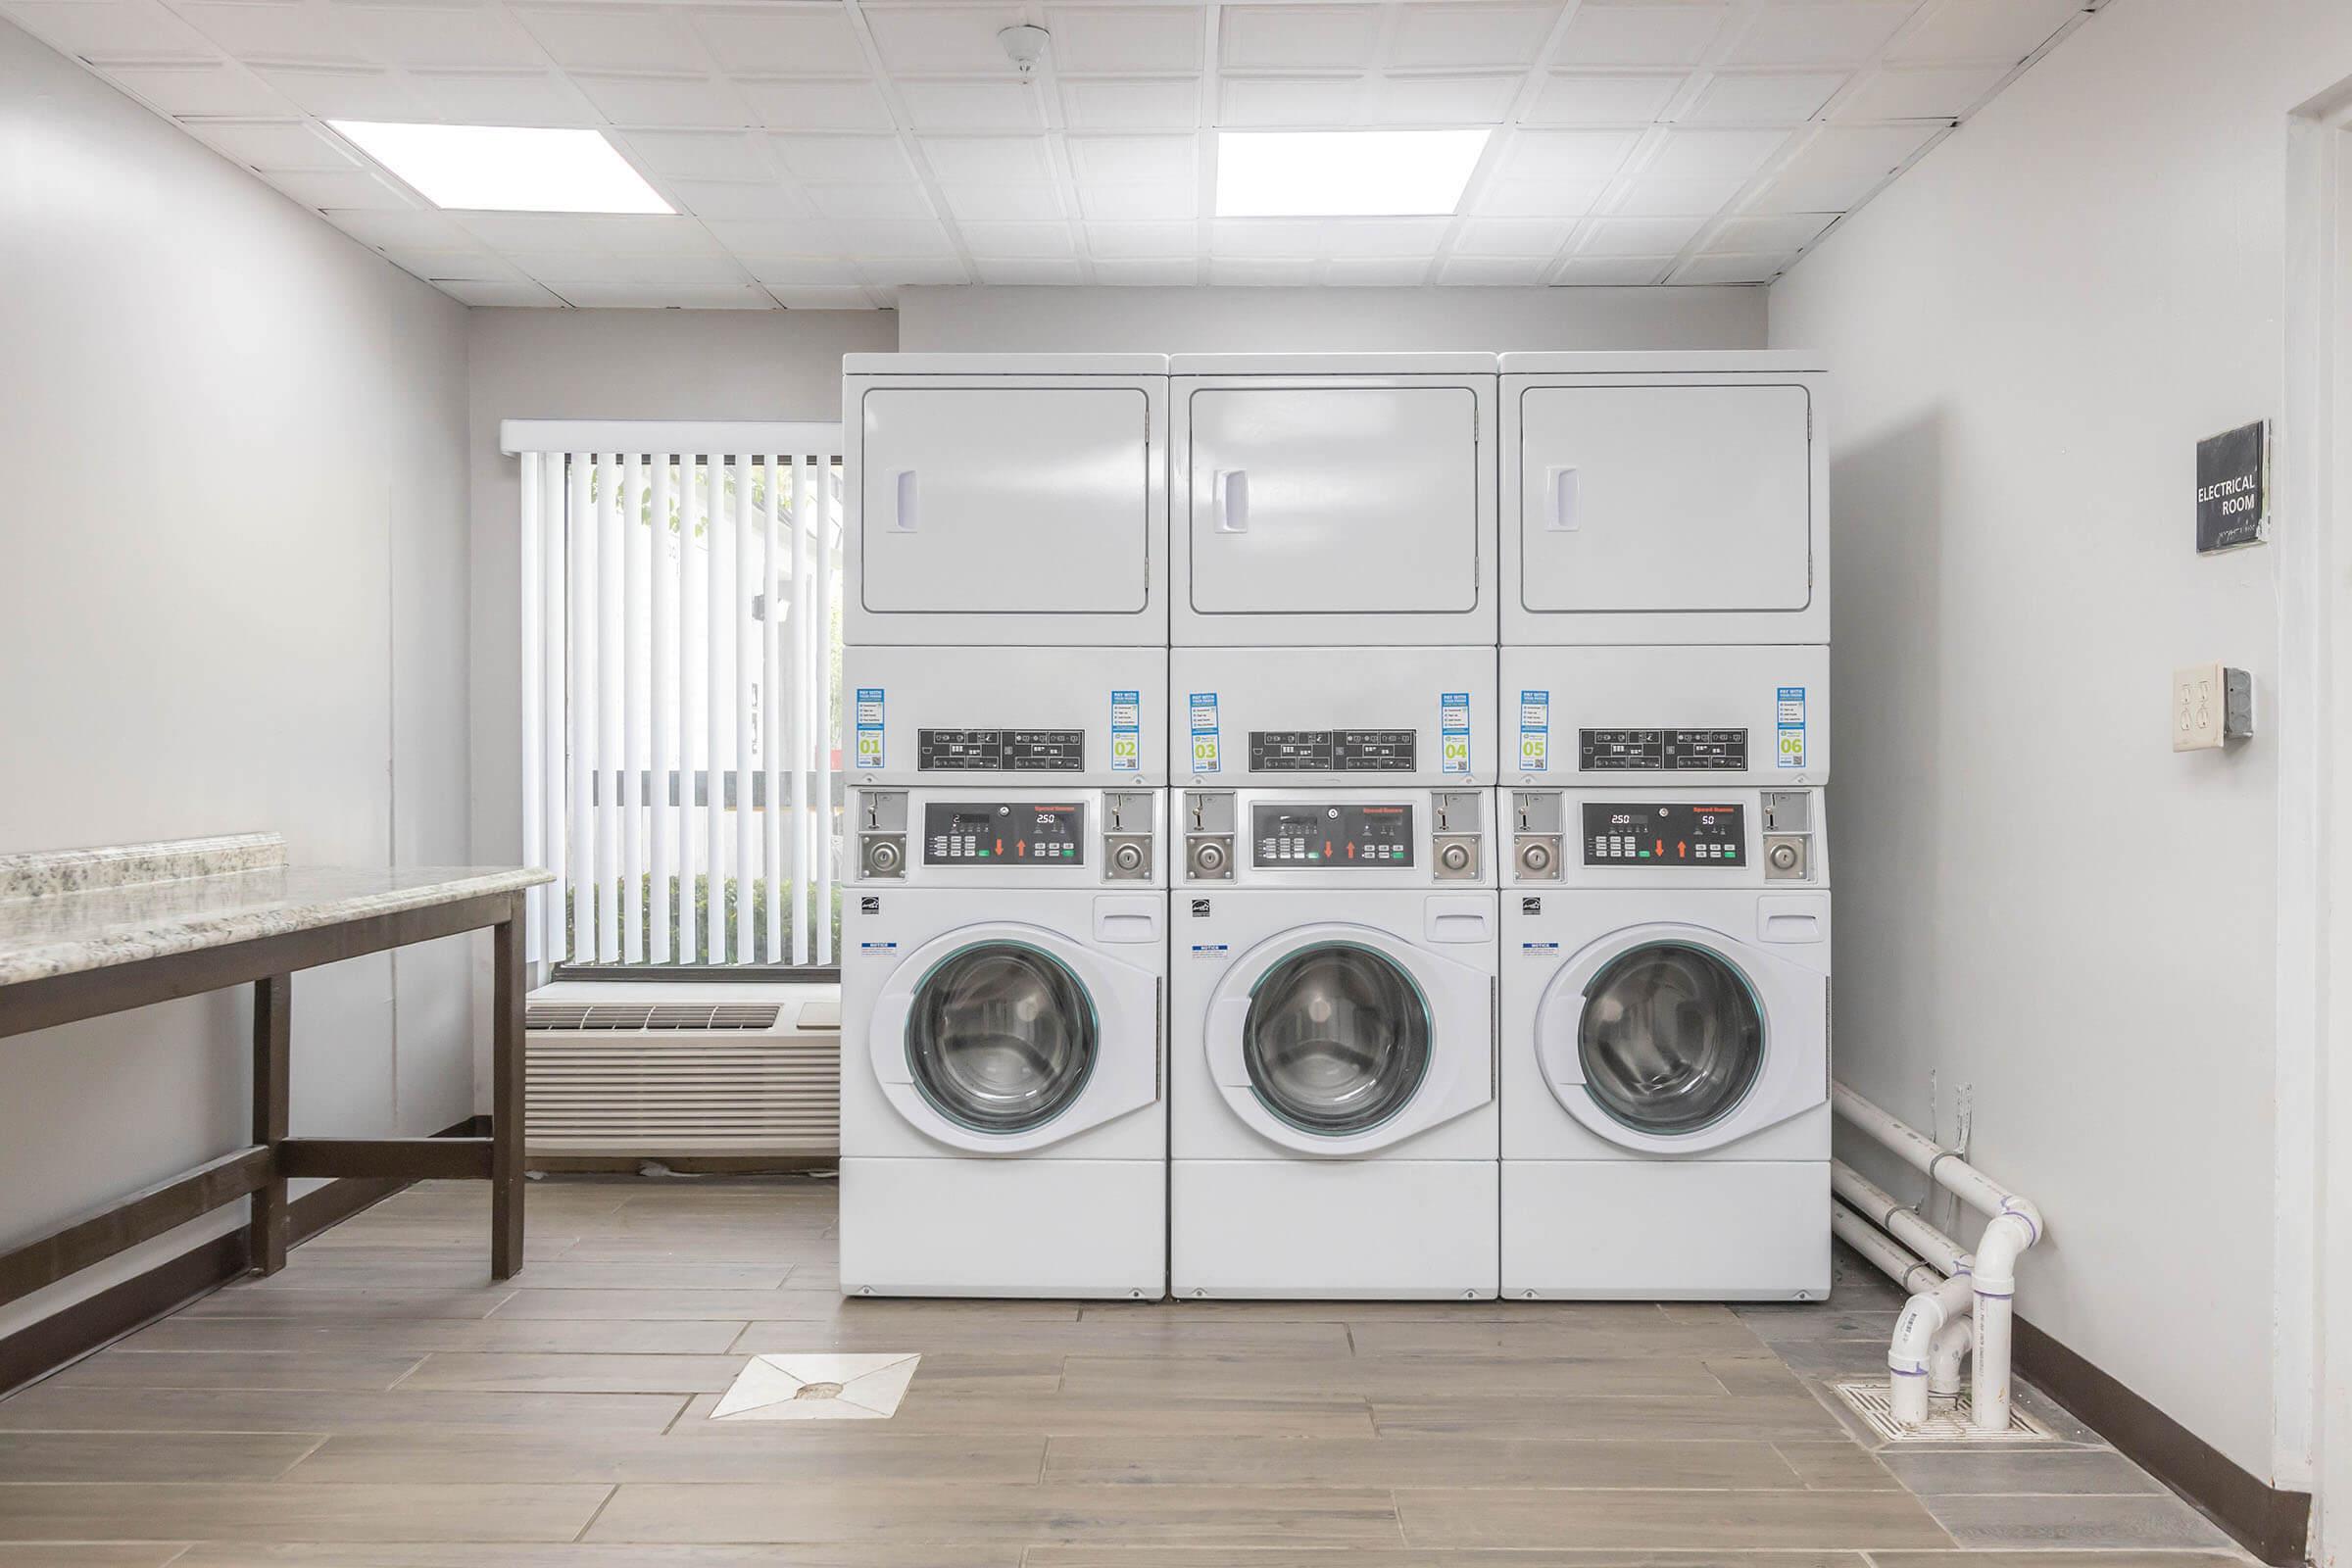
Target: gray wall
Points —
{"points": [[234, 598], [1213, 320], [2028, 333]]}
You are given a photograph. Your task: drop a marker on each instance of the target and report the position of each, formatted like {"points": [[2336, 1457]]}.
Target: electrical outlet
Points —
{"points": [[2211, 706]]}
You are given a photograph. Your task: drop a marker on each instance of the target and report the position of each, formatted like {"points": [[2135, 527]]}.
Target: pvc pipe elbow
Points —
{"points": [[2007, 1234], [1925, 1317]]}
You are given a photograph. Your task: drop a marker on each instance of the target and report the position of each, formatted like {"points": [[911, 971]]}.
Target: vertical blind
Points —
{"points": [[679, 620]]}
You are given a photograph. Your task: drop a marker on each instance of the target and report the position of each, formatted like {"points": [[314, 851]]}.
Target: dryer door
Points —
{"points": [[1001, 1038], [1340, 1039], [1672, 1038]]}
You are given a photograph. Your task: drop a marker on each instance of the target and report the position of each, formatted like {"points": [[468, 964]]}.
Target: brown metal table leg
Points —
{"points": [[506, 1097], [273, 1038]]}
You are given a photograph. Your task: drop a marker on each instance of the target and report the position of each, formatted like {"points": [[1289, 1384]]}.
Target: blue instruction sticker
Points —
{"points": [[1126, 731], [1204, 731], [1534, 732], [1788, 718], [1454, 731], [869, 726]]}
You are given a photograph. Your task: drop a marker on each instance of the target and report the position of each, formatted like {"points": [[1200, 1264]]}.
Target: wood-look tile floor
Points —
{"points": [[380, 1404]]}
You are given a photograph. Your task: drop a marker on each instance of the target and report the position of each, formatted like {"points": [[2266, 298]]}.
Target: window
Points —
{"points": [[681, 634]]}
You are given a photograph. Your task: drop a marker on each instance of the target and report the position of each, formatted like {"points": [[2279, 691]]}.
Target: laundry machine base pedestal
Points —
{"points": [[1004, 1227], [1696, 1230], [1309, 1229]]}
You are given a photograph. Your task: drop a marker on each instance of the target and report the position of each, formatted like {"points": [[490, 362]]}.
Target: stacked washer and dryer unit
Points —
{"points": [[1666, 914], [1391, 631]]}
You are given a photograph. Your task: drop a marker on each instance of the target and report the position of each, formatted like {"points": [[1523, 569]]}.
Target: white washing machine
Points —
{"points": [[1664, 498], [1696, 713], [1666, 1043], [1290, 718], [1007, 498], [1060, 716], [1003, 1118], [1332, 499], [1333, 1127]]}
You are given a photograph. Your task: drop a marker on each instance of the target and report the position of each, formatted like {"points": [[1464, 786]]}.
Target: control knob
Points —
{"points": [[1534, 858], [1208, 858], [1128, 857], [883, 857], [1784, 856], [1454, 857]]}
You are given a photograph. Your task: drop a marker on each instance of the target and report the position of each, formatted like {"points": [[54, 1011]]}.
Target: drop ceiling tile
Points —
{"points": [[1495, 271], [1131, 103], [490, 294], [937, 103], [717, 198], [799, 40], [1466, 35], [97, 29], [418, 227], [1137, 203], [352, 189], [1175, 271], [2006, 30], [870, 201], [1641, 32], [1920, 93], [1731, 268], [346, 92], [274, 29], [989, 159], [1790, 232], [1131, 160], [1539, 198], [503, 97], [1651, 198], [1262, 273], [1003, 203], [1763, 97], [1443, 100], [806, 103], [1018, 239], [1309, 37], [443, 264], [269, 144], [1569, 154], [822, 299], [641, 99], [1613, 270], [561, 270], [1603, 98], [900, 237], [750, 236], [1376, 271], [615, 37], [804, 270], [730, 155], [896, 271], [948, 38], [1384, 236], [1638, 236], [1026, 270], [1819, 32], [1513, 236], [1268, 236], [1712, 154], [1841, 166], [1288, 101], [840, 160], [1140, 239], [1126, 38], [445, 34], [646, 234], [666, 296], [195, 89]]}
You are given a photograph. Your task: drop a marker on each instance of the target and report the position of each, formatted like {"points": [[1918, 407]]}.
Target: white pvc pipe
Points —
{"points": [[1875, 1204], [1866, 1238], [1958, 1339]]}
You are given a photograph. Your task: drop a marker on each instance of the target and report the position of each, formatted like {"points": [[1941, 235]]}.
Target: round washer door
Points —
{"points": [[1342, 1038], [1670, 1038], [1002, 1039]]}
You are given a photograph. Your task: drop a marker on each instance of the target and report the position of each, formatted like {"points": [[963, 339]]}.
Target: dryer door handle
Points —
{"points": [[1230, 495]]}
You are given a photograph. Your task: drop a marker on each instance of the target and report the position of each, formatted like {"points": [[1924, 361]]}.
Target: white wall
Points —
{"points": [[1213, 320], [2028, 332], [613, 365], [234, 598]]}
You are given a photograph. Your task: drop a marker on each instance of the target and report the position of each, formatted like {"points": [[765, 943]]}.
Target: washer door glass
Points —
{"points": [[1001, 1038], [1336, 1039], [1671, 1038]]}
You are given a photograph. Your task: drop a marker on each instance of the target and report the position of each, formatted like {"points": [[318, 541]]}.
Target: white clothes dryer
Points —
{"points": [[1666, 1046], [1696, 713], [1295, 718]]}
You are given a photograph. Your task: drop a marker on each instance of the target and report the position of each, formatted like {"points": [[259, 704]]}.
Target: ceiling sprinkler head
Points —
{"points": [[1024, 45]]}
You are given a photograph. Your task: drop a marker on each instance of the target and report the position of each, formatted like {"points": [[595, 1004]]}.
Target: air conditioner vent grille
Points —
{"points": [[676, 1078], [639, 1018]]}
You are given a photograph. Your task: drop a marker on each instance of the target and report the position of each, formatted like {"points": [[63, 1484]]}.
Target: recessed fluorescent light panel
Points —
{"points": [[1343, 174], [509, 169]]}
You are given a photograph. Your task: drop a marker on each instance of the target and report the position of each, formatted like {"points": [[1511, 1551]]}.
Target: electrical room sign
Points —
{"points": [[2233, 488]]}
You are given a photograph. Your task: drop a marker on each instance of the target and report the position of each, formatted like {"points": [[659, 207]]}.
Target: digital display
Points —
{"points": [[1348, 836], [1620, 833], [1010, 833], [997, 750], [1330, 750], [1661, 750]]}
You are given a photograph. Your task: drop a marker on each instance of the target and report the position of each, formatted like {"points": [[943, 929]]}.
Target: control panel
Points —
{"points": [[1284, 836], [1343, 835], [1333, 750], [1111, 836], [999, 751], [1664, 833], [1003, 833], [1661, 750]]}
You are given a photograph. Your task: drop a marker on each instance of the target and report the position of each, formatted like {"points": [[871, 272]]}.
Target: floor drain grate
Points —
{"points": [[819, 1386], [1947, 1419]]}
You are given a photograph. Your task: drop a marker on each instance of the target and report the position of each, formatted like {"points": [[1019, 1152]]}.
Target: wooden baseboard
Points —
{"points": [[2269, 1522], [68, 1335]]}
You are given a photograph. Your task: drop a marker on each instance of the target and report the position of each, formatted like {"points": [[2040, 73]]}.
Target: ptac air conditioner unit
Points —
{"points": [[660, 1070]]}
